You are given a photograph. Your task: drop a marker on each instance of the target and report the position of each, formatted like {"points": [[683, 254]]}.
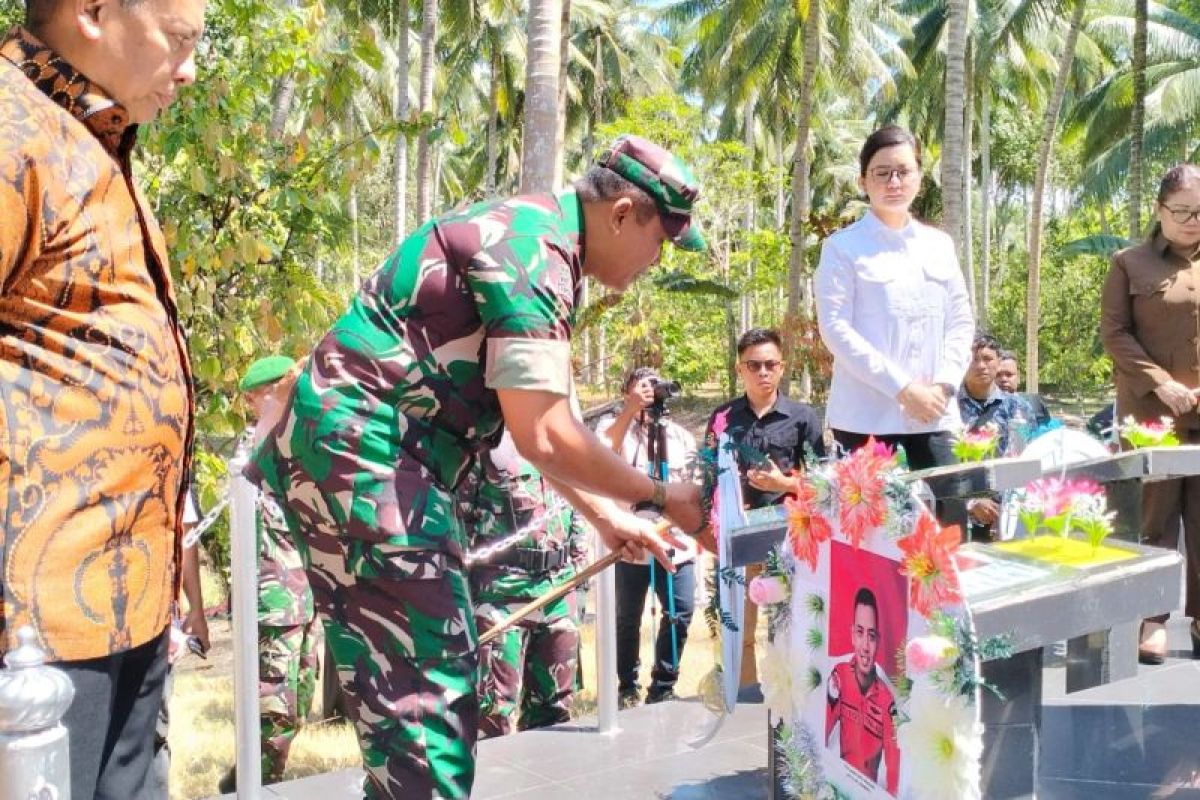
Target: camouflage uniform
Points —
{"points": [[530, 669], [384, 422], [288, 640]]}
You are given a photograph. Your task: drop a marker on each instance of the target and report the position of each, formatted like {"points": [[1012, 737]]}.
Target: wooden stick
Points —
{"points": [[595, 568]]}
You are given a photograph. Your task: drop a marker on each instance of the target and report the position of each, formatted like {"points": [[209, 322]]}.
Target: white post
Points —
{"points": [[243, 546], [606, 649]]}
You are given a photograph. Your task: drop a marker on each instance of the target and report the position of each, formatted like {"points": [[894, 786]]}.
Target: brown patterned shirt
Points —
{"points": [[96, 406]]}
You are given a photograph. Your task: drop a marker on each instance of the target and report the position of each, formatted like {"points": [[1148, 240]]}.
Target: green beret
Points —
{"points": [[264, 371]]}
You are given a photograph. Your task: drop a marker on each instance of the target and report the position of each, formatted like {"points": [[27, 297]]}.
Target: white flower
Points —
{"points": [[775, 673], [942, 743]]}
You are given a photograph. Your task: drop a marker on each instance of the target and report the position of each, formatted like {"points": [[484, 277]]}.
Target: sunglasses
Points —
{"points": [[769, 365]]}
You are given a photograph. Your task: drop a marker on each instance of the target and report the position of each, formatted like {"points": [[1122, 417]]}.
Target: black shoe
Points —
{"points": [[629, 698], [228, 782], [660, 695]]}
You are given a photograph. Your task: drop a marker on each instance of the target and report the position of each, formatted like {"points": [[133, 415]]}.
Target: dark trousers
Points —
{"points": [[633, 581], [111, 722], [1166, 504], [923, 450]]}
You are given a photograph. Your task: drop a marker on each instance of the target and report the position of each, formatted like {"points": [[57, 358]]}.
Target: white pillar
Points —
{"points": [[243, 607], [606, 647]]}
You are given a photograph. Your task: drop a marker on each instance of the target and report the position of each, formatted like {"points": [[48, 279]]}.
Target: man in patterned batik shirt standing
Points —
{"points": [[96, 407], [464, 330], [527, 674], [289, 638]]}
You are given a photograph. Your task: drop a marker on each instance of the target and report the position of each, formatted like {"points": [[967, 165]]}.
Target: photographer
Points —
{"points": [[630, 433]]}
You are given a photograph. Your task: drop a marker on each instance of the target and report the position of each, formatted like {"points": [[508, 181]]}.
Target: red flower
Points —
{"points": [[929, 564], [862, 506], [807, 527]]}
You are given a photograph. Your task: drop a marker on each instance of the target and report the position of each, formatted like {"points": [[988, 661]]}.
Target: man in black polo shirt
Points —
{"points": [[774, 435]]}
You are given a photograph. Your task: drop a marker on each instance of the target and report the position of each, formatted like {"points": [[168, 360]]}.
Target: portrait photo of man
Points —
{"points": [[860, 714]]}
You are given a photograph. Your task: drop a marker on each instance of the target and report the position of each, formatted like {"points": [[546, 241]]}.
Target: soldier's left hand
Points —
{"points": [[683, 507]]}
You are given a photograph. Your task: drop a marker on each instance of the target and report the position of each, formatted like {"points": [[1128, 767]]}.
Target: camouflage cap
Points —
{"points": [[264, 371], [664, 177]]}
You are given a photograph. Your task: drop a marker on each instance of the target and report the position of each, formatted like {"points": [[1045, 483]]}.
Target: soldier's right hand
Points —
{"points": [[683, 507], [634, 535]]}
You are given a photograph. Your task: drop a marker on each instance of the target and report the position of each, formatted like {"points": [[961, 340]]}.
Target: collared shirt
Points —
{"points": [[1150, 325], [681, 461], [96, 419], [394, 402], [999, 408], [786, 433], [892, 308]]}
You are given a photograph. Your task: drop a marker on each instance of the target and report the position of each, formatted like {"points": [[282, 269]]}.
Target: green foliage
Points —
{"points": [[1072, 357]]}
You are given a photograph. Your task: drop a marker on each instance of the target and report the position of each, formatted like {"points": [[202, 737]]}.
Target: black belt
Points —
{"points": [[531, 559]]}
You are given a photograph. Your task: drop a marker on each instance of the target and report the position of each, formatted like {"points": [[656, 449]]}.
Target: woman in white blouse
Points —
{"points": [[893, 309]]}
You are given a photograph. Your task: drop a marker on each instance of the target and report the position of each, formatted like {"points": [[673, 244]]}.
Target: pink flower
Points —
{"points": [[807, 527], [720, 423], [880, 450], [766, 590], [929, 564], [925, 653]]}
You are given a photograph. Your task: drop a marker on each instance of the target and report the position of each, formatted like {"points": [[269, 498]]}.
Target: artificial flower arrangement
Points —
{"points": [[1149, 434], [1059, 506], [978, 444], [862, 502]]}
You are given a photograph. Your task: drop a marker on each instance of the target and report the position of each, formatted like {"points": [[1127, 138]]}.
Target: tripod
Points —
{"points": [[658, 466]]}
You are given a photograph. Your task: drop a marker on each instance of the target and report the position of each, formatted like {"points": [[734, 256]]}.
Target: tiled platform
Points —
{"points": [[1137, 739]]}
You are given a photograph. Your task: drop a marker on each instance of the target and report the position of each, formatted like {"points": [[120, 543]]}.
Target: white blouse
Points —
{"points": [[892, 308]]}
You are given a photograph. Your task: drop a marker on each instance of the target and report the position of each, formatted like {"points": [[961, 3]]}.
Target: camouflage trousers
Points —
{"points": [[287, 678], [402, 636], [527, 672]]}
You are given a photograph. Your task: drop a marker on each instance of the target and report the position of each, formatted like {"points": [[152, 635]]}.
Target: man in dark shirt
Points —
{"points": [[1008, 378], [774, 436]]}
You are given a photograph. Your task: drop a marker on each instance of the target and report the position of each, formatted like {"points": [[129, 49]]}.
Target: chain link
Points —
{"points": [[486, 552]]}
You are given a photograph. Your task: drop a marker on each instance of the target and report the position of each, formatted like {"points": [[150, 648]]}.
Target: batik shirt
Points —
{"points": [[396, 400], [96, 407]]}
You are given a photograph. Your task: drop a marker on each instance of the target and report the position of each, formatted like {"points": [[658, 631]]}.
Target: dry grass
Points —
{"points": [[202, 736]]}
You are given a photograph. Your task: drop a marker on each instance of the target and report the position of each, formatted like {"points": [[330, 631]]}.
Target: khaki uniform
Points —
{"points": [[1150, 325]]}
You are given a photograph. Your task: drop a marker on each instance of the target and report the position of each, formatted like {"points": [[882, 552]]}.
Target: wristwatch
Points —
{"points": [[657, 501]]}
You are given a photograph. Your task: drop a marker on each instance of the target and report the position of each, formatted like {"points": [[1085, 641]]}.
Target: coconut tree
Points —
{"points": [[425, 186], [539, 150]]}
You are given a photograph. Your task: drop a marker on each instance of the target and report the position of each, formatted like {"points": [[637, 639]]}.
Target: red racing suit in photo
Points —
{"points": [[868, 726]]}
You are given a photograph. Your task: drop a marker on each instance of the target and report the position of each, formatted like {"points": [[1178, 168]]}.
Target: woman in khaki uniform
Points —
{"points": [[1150, 325]]}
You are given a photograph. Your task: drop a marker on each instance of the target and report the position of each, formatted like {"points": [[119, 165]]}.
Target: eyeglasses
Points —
{"points": [[885, 174], [770, 365], [1182, 215]]}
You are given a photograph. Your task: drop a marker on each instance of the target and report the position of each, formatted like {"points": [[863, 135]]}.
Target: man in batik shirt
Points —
{"points": [[527, 673], [463, 330], [96, 419]]}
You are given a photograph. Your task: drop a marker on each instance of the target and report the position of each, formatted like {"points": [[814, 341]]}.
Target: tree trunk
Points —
{"points": [[424, 162], [985, 199], [952, 130], [564, 60], [797, 287], [968, 251], [489, 180], [1045, 150], [747, 315], [541, 96], [285, 90], [400, 165], [1137, 120]]}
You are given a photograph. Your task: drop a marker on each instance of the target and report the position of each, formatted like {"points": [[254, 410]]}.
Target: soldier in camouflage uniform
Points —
{"points": [[465, 328], [529, 670], [288, 635]]}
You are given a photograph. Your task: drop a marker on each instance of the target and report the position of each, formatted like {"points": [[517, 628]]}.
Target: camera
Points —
{"points": [[664, 389]]}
